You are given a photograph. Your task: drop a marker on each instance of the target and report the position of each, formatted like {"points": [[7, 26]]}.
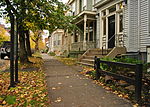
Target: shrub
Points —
{"points": [[52, 53]]}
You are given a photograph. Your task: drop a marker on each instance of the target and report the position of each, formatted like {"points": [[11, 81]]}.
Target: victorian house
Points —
{"points": [[124, 23], [86, 21], [111, 28]]}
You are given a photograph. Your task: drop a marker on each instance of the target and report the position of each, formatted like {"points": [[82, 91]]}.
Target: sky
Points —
{"points": [[64, 1]]}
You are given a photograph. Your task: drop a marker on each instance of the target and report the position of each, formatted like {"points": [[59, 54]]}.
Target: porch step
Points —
{"points": [[93, 56], [90, 61], [88, 57], [86, 64]]}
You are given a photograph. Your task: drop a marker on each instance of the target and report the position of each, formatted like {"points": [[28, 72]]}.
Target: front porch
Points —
{"points": [[82, 46], [85, 37]]}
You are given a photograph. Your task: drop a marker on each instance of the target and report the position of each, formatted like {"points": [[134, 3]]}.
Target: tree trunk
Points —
{"points": [[28, 43], [23, 52]]}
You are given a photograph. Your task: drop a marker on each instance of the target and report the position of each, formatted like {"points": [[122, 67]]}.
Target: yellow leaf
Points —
{"points": [[4, 102], [120, 95], [58, 100], [53, 88], [59, 83]]}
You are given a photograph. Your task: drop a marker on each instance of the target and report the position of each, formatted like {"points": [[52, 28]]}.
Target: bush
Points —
{"points": [[52, 53]]}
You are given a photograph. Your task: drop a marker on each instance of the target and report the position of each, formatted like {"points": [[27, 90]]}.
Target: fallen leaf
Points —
{"points": [[59, 99], [4, 102], [67, 76], [59, 83], [53, 88]]}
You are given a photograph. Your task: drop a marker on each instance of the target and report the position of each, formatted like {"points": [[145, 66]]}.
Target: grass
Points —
{"points": [[68, 61]]}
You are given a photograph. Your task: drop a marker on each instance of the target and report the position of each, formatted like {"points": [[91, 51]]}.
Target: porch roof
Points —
{"points": [[80, 17]]}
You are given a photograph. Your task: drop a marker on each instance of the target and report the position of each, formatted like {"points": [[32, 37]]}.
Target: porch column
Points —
{"points": [[107, 12], [93, 31], [88, 39], [84, 40]]}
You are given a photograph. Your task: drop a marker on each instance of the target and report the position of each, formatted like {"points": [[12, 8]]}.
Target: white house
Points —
{"points": [[124, 23], [86, 21], [55, 41]]}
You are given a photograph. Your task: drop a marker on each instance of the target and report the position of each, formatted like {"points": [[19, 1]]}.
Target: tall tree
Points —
{"points": [[36, 38], [29, 53], [37, 15], [3, 35]]}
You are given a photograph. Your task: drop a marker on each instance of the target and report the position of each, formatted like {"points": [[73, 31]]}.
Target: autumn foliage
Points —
{"points": [[31, 91]]}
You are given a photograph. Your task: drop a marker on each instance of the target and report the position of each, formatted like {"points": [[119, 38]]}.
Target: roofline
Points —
{"points": [[86, 12], [100, 3], [103, 2]]}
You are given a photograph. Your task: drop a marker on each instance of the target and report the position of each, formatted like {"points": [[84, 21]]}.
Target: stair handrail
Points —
{"points": [[79, 59], [111, 38], [106, 46]]}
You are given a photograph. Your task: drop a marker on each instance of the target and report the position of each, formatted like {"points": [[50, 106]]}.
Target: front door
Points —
{"points": [[111, 31]]}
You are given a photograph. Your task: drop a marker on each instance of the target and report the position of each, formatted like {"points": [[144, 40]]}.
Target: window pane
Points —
{"points": [[104, 26], [120, 22]]}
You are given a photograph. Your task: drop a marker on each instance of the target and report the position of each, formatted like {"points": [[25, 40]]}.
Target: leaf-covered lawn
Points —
{"points": [[68, 61], [31, 91]]}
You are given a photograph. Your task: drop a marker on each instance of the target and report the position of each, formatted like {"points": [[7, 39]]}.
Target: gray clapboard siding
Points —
{"points": [[133, 42], [144, 22], [89, 4], [133, 26]]}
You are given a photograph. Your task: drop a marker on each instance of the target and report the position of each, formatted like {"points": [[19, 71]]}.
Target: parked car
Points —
{"points": [[5, 49]]}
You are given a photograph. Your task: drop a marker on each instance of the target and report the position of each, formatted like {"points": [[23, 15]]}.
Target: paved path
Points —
{"points": [[68, 88]]}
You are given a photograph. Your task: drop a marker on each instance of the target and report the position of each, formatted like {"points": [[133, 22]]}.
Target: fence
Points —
{"points": [[136, 81]]}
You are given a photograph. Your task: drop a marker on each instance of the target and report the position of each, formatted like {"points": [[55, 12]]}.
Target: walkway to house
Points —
{"points": [[68, 88]]}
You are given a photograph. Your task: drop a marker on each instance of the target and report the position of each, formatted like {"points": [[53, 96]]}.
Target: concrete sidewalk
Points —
{"points": [[68, 88]]}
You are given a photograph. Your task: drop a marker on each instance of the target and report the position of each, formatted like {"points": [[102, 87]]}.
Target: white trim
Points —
{"points": [[139, 14], [109, 5], [128, 30], [86, 12], [107, 12], [149, 15]]}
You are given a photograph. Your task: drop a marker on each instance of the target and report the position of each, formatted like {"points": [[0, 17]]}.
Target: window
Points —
{"points": [[104, 13], [75, 37], [91, 32], [120, 22], [58, 42], [104, 26], [87, 36], [54, 43]]}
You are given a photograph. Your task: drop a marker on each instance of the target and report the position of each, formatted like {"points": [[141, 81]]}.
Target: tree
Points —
{"points": [[3, 35], [37, 36], [36, 15]]}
